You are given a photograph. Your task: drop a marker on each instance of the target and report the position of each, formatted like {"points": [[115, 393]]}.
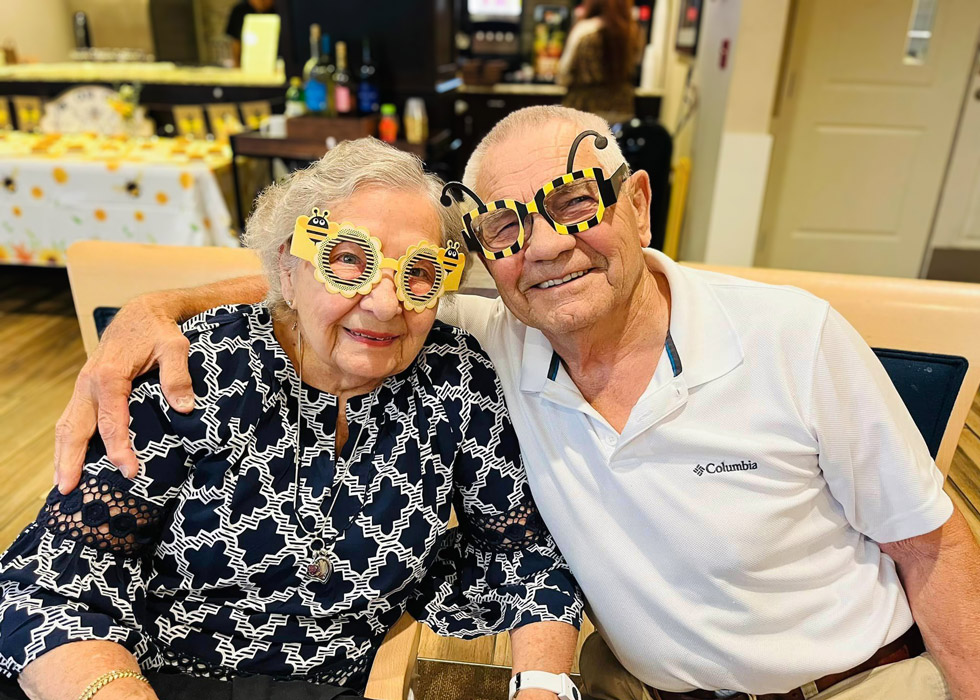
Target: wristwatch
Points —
{"points": [[561, 685]]}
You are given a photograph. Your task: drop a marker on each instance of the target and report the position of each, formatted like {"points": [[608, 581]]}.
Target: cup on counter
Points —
{"points": [[274, 126], [416, 121]]}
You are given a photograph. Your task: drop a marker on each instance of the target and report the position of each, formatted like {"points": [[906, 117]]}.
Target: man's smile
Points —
{"points": [[559, 280]]}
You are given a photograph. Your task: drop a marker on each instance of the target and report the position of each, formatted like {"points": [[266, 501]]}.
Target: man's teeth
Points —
{"points": [[566, 278]]}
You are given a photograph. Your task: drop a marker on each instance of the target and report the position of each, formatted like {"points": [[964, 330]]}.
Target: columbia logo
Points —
{"points": [[721, 467]]}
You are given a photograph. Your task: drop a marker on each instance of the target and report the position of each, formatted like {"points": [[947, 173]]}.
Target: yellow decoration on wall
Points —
{"points": [[37, 192], [17, 211], [162, 197], [100, 214], [186, 180], [138, 215], [60, 176]]}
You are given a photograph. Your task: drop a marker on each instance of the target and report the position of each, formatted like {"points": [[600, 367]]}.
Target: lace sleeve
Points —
{"points": [[500, 568], [102, 514], [80, 571], [518, 529]]}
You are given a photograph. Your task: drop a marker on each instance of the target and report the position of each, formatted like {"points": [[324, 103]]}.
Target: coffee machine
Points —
{"points": [[491, 29]]}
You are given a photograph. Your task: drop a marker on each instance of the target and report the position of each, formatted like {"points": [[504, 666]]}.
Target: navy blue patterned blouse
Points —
{"points": [[198, 564]]}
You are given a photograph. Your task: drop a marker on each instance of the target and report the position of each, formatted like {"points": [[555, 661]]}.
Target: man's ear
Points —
{"points": [[638, 191]]}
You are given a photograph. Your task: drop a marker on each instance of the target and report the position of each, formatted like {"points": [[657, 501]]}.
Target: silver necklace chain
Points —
{"points": [[320, 566]]}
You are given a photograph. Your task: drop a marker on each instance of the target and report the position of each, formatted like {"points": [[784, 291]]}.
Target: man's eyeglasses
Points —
{"points": [[348, 260], [572, 203]]}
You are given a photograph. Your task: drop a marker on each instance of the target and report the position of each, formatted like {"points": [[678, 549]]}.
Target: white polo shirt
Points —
{"points": [[726, 539]]}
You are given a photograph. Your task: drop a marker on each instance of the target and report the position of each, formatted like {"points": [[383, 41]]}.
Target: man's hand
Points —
{"points": [[940, 572], [141, 337]]}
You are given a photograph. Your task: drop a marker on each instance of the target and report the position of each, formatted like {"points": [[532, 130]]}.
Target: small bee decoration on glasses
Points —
{"points": [[348, 260]]}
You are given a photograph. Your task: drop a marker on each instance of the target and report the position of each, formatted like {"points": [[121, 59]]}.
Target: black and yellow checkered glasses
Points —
{"points": [[572, 203], [348, 260]]}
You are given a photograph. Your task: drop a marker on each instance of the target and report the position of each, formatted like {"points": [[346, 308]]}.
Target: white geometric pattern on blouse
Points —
{"points": [[202, 571]]}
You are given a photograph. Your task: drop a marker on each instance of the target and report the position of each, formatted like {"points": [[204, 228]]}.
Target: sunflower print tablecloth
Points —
{"points": [[55, 190]]}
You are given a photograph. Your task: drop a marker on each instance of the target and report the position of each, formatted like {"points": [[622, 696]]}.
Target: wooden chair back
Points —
{"points": [[900, 314]]}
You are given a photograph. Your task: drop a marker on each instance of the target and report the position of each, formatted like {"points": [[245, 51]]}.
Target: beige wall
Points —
{"points": [[757, 61], [117, 24], [746, 142], [729, 139], [719, 23], [40, 29]]}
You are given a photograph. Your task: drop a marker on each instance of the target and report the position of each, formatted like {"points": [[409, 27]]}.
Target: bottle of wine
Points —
{"points": [[368, 99], [342, 82], [295, 98], [322, 76], [314, 52]]}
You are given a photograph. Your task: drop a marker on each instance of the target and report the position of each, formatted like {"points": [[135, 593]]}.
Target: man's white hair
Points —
{"points": [[535, 119], [345, 169]]}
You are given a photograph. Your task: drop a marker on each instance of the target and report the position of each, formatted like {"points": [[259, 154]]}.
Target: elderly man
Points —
{"points": [[745, 501]]}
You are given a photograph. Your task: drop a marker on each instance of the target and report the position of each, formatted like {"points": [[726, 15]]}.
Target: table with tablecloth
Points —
{"points": [[60, 189]]}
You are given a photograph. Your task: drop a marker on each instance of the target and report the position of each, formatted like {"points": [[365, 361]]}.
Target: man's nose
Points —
{"points": [[382, 301], [546, 243]]}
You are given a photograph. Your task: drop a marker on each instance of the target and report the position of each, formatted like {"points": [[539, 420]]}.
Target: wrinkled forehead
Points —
{"points": [[522, 163], [398, 218]]}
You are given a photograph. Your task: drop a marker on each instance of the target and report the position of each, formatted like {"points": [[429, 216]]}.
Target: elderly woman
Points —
{"points": [[284, 525]]}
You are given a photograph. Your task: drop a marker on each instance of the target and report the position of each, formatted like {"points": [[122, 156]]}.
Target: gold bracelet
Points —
{"points": [[107, 678]]}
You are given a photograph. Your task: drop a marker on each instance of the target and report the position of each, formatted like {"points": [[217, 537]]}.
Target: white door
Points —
{"points": [[867, 114], [958, 218]]}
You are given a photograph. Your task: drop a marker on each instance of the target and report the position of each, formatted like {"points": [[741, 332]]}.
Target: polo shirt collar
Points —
{"points": [[704, 335], [706, 343]]}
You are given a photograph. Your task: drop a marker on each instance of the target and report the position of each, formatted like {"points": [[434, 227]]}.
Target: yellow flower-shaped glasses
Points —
{"points": [[348, 260]]}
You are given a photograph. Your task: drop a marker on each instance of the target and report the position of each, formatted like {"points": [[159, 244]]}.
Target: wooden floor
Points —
{"points": [[41, 352]]}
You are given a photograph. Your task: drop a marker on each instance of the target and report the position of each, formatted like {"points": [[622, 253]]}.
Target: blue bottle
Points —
{"points": [[368, 98]]}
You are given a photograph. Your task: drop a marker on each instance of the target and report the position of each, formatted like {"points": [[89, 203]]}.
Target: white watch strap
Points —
{"points": [[559, 684]]}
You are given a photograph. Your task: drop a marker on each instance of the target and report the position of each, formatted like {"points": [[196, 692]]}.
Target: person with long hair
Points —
{"points": [[598, 62]]}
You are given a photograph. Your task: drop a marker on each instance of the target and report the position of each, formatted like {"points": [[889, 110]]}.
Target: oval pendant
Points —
{"points": [[320, 568]]}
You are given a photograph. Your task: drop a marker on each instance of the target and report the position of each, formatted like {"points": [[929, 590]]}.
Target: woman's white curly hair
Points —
{"points": [[328, 182]]}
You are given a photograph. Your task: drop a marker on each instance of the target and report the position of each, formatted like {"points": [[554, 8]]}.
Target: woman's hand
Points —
{"points": [[66, 671], [143, 335]]}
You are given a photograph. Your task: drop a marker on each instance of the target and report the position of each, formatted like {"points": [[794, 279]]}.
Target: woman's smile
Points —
{"points": [[373, 339]]}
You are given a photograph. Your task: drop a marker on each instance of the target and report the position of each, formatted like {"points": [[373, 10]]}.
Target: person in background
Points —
{"points": [[598, 60], [236, 18]]}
